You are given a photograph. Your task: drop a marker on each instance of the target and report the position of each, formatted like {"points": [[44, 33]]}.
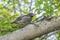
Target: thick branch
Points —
{"points": [[32, 31]]}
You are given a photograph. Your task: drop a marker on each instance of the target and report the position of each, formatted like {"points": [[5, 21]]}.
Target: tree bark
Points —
{"points": [[31, 31]]}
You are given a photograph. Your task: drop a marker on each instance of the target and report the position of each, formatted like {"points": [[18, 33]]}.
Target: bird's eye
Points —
{"points": [[31, 16]]}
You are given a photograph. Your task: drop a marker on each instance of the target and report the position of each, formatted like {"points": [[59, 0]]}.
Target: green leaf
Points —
{"points": [[34, 17], [5, 0], [1, 5]]}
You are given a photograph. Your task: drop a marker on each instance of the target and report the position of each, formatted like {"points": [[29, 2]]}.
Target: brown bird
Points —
{"points": [[24, 20]]}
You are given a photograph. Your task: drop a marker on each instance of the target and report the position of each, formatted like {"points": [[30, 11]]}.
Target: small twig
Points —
{"points": [[30, 6], [14, 7], [20, 8]]}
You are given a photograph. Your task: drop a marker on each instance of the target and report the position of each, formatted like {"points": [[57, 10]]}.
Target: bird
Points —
{"points": [[24, 20]]}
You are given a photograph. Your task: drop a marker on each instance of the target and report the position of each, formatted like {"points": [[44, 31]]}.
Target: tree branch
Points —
{"points": [[31, 31]]}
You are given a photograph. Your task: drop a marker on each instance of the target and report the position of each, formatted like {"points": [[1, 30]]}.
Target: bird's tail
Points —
{"points": [[13, 22]]}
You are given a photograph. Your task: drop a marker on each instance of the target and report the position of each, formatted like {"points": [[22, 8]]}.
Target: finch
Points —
{"points": [[24, 20]]}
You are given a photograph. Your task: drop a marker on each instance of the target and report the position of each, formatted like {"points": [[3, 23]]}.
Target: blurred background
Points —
{"points": [[11, 9]]}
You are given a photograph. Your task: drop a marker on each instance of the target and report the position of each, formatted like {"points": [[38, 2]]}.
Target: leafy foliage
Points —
{"points": [[11, 9], [5, 21]]}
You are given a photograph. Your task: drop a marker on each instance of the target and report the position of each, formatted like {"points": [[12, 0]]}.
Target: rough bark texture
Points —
{"points": [[32, 31]]}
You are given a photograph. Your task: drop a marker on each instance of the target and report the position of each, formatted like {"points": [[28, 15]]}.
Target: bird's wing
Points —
{"points": [[18, 19]]}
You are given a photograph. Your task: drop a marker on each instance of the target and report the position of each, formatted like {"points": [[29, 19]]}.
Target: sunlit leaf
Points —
{"points": [[1, 5], [26, 2], [5, 0], [34, 17]]}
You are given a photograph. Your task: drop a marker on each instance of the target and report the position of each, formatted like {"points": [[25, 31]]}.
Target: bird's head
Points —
{"points": [[31, 14]]}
